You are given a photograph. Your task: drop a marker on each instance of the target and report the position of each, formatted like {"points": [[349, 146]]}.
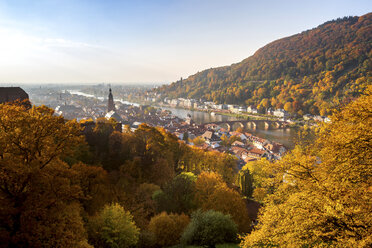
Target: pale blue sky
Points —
{"points": [[89, 41]]}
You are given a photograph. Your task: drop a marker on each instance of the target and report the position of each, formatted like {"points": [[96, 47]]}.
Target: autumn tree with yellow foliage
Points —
{"points": [[168, 228], [322, 194], [36, 187], [212, 193], [61, 189]]}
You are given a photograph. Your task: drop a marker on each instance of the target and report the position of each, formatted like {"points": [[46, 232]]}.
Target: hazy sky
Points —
{"points": [[51, 41]]}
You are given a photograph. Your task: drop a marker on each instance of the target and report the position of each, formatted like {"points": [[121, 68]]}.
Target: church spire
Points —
{"points": [[111, 104]]}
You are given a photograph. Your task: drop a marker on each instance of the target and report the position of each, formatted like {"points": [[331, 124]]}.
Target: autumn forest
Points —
{"points": [[64, 184], [311, 72], [102, 183]]}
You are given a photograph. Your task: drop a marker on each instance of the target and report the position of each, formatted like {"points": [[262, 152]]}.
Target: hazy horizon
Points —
{"points": [[123, 42], [37, 84]]}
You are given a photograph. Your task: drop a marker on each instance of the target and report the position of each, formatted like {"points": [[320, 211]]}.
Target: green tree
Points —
{"points": [[178, 195], [245, 182], [209, 228], [113, 227]]}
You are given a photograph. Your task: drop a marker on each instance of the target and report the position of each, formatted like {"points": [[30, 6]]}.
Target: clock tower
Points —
{"points": [[111, 104]]}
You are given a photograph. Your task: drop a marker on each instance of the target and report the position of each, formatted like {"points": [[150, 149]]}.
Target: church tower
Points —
{"points": [[111, 104]]}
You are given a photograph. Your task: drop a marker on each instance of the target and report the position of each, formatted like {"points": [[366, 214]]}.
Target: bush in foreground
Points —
{"points": [[209, 228], [168, 228], [113, 227]]}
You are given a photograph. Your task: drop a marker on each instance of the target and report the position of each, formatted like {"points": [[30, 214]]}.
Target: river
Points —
{"points": [[79, 93], [283, 136]]}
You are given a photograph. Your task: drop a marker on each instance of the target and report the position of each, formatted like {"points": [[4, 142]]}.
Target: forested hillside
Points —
{"points": [[311, 72], [319, 194], [59, 188], [145, 188]]}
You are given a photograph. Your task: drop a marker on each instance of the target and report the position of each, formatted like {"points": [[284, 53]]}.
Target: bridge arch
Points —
{"points": [[236, 125], [276, 124], [225, 125], [251, 125]]}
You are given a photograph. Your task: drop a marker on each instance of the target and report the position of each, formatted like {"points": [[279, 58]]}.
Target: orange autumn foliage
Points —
{"points": [[212, 193]]}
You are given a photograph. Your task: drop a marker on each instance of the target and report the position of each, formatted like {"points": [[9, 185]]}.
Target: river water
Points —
{"points": [[79, 93], [284, 136]]}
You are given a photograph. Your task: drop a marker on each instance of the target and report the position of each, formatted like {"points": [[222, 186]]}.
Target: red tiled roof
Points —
{"points": [[256, 150]]}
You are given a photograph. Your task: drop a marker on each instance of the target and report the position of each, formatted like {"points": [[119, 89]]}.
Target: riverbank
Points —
{"points": [[283, 136], [242, 116]]}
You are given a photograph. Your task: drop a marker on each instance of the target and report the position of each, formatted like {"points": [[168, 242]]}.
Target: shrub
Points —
{"points": [[212, 193], [178, 195], [228, 201], [168, 228], [146, 239], [209, 228], [113, 227]]}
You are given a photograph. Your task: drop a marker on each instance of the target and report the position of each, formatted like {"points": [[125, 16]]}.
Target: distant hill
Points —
{"points": [[308, 72]]}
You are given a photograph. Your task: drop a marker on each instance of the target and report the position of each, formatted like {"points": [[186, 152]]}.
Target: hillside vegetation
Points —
{"points": [[310, 72], [145, 188], [319, 194]]}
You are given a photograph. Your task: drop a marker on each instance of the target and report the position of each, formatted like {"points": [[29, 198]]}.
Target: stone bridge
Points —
{"points": [[250, 124]]}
